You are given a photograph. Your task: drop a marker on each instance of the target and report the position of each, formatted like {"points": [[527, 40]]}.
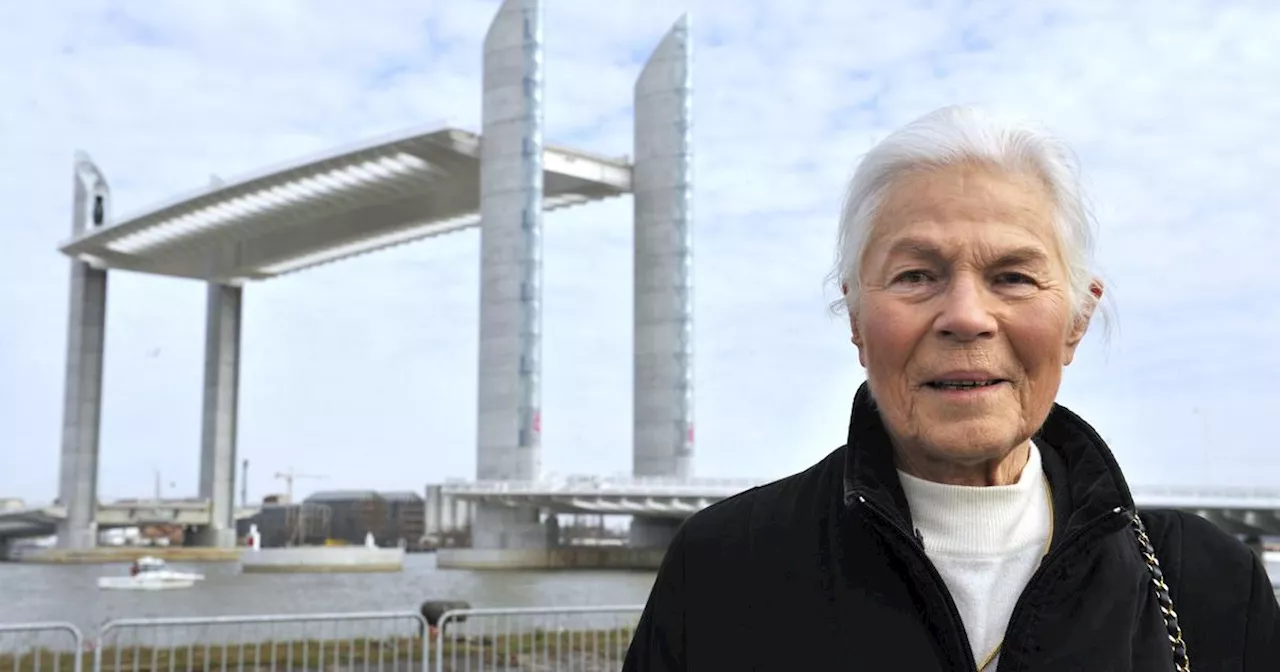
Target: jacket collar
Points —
{"points": [[1083, 474]]}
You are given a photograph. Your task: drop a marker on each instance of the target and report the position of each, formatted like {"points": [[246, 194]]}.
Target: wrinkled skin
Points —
{"points": [[963, 272]]}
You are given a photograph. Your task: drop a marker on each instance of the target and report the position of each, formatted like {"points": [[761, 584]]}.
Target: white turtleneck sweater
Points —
{"points": [[986, 543]]}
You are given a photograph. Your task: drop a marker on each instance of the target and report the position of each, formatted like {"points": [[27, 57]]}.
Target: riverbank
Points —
{"points": [[107, 555]]}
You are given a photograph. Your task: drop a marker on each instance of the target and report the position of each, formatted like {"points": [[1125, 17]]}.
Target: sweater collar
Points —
{"points": [[981, 522], [1082, 472]]}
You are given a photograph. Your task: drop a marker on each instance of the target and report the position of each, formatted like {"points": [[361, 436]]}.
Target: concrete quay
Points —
{"points": [[108, 555], [564, 557], [321, 560]]}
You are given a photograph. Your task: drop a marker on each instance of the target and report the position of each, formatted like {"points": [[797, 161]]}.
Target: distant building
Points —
{"points": [[394, 518], [288, 524], [342, 516], [407, 512]]}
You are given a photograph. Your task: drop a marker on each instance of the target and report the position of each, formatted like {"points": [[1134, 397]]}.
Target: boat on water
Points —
{"points": [[148, 573]]}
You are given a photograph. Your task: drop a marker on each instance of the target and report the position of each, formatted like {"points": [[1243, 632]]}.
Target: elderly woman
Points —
{"points": [[969, 522]]}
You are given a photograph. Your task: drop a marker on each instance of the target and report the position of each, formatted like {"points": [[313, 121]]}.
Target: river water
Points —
{"points": [[34, 592]]}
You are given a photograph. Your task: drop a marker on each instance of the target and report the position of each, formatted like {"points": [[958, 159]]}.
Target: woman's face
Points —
{"points": [[964, 321]]}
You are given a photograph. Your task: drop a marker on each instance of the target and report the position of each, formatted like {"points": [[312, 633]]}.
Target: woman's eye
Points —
{"points": [[912, 278], [1014, 279]]}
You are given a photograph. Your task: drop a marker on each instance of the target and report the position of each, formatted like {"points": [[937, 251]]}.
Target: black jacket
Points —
{"points": [[820, 571]]}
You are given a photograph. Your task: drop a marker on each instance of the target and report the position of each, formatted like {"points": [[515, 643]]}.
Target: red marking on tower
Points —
{"points": [[537, 422], [690, 437]]}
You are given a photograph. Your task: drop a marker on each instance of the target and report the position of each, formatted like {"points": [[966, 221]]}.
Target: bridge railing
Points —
{"points": [[1224, 497], [1209, 497], [1208, 491], [637, 487]]}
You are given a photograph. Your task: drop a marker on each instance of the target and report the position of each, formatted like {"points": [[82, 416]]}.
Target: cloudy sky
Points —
{"points": [[365, 371]]}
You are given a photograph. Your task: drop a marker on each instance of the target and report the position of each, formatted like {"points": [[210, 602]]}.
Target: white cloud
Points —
{"points": [[365, 370]]}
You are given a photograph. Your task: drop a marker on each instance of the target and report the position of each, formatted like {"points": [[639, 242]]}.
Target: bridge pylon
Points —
{"points": [[86, 341]]}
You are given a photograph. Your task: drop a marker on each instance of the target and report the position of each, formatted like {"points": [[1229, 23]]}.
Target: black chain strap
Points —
{"points": [[1180, 660]]}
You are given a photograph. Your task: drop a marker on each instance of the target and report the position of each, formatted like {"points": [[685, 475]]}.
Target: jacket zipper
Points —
{"points": [[914, 544], [1072, 539]]}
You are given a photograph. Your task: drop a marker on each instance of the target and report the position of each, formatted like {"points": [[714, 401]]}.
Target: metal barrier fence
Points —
{"points": [[386, 642], [589, 639], [37, 647]]}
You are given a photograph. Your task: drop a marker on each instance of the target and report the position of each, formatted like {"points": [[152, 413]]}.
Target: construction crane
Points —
{"points": [[289, 476]]}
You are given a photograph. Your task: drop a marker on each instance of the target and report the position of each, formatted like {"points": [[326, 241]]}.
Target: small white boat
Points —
{"points": [[148, 573]]}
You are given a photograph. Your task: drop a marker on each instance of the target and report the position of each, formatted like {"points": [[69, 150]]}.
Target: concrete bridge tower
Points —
{"points": [[86, 340], [662, 182], [511, 157]]}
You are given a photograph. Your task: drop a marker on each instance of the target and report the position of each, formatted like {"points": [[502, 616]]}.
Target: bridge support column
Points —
{"points": [[498, 528], [508, 435], [652, 532], [221, 397], [86, 342], [662, 181]]}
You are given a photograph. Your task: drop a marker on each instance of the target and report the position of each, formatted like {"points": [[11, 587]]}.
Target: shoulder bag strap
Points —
{"points": [[1180, 660]]}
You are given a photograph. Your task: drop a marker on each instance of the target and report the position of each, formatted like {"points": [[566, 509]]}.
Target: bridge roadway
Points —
{"points": [[1243, 511], [1250, 512], [42, 521]]}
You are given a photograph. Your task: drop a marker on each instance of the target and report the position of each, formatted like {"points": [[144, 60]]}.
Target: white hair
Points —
{"points": [[955, 135]]}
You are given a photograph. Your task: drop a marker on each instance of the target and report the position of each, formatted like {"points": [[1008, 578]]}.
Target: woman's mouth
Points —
{"points": [[963, 384]]}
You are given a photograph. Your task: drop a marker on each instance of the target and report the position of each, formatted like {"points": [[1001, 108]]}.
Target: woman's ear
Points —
{"points": [[1080, 325], [855, 337]]}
